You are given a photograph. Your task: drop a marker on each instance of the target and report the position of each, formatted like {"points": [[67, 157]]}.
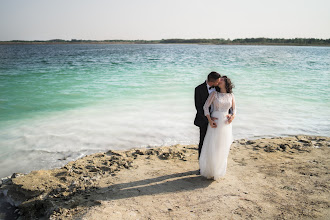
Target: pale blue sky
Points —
{"points": [[161, 19]]}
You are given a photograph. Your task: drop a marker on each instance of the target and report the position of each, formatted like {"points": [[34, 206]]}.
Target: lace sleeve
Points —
{"points": [[209, 102], [233, 104]]}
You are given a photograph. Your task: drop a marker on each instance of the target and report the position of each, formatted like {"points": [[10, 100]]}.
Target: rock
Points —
{"points": [[271, 148], [14, 175], [150, 152], [299, 147], [242, 141], [140, 152], [63, 158], [6, 180], [111, 153], [283, 146], [95, 178], [92, 168], [305, 141], [165, 156], [250, 142]]}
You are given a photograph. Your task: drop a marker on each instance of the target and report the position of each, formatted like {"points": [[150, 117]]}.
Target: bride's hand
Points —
{"points": [[230, 118]]}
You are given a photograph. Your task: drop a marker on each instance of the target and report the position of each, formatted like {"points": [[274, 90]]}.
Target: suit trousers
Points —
{"points": [[202, 133]]}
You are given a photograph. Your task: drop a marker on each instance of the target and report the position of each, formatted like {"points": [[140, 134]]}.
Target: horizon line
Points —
{"points": [[230, 39]]}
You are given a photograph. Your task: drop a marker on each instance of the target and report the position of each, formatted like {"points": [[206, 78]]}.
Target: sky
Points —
{"points": [[162, 19]]}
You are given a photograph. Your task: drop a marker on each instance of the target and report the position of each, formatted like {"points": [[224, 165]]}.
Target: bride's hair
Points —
{"points": [[229, 84]]}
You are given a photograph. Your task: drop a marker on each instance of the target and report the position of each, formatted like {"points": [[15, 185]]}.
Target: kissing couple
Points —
{"points": [[216, 109]]}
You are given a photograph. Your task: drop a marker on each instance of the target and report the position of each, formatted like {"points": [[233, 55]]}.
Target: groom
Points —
{"points": [[201, 93]]}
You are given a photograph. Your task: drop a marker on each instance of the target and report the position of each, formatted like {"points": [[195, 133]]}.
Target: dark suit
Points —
{"points": [[201, 95], [201, 121]]}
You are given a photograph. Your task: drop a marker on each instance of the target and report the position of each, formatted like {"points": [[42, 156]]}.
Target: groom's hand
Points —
{"points": [[213, 124], [213, 118]]}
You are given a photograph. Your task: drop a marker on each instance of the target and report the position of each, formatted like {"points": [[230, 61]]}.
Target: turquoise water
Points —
{"points": [[60, 102]]}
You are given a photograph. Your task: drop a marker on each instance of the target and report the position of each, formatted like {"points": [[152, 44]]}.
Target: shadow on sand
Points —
{"points": [[176, 182]]}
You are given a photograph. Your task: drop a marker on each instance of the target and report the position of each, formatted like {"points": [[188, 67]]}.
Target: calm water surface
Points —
{"points": [[65, 101]]}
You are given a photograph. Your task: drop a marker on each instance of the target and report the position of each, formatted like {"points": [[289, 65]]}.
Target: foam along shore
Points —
{"points": [[268, 178]]}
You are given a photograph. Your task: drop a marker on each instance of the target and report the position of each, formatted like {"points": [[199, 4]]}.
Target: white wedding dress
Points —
{"points": [[217, 141]]}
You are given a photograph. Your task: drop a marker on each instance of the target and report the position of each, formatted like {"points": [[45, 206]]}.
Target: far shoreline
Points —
{"points": [[195, 41], [130, 43]]}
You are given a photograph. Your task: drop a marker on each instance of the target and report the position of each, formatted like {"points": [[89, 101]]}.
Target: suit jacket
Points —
{"points": [[201, 95]]}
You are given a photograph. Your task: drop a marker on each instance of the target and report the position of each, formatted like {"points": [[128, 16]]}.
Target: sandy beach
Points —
{"points": [[269, 178]]}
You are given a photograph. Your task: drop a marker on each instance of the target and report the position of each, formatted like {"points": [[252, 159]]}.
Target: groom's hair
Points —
{"points": [[213, 76]]}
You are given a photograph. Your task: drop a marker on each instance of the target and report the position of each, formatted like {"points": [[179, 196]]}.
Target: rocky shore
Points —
{"points": [[268, 178]]}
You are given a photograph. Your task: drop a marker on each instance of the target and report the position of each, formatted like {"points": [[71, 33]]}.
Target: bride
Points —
{"points": [[218, 138]]}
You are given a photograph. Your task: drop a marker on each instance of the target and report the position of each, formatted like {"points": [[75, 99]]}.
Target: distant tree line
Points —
{"points": [[216, 41], [298, 41], [195, 41], [253, 41]]}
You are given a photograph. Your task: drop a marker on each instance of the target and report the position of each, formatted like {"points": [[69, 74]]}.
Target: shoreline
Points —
{"points": [[267, 172]]}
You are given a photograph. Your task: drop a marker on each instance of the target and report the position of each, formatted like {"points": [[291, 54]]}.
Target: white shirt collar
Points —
{"points": [[208, 88], [207, 85]]}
